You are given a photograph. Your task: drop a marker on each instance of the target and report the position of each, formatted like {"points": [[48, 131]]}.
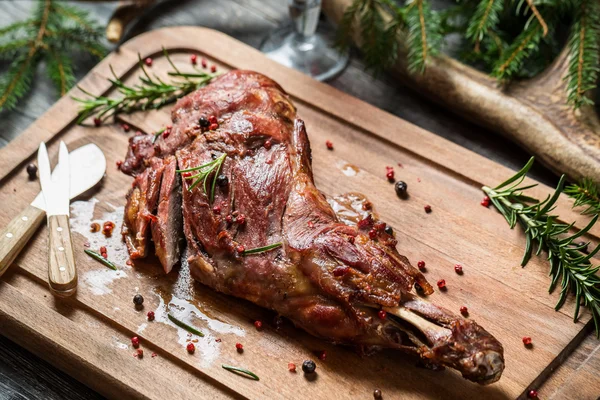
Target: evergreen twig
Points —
{"points": [[586, 194], [50, 35]]}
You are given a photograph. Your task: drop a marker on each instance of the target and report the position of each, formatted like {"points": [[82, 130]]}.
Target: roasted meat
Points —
{"points": [[256, 227]]}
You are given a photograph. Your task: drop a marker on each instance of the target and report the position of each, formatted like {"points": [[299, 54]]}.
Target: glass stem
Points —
{"points": [[305, 17]]}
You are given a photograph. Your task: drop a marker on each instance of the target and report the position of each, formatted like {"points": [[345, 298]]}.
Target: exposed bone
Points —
{"points": [[432, 331]]}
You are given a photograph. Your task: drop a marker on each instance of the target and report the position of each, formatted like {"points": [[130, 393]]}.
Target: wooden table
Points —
{"points": [[23, 375]]}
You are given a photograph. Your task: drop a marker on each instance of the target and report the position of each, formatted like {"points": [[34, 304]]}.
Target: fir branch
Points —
{"points": [[585, 194], [50, 34], [567, 260], [484, 20], [584, 53], [524, 46], [60, 70], [424, 34], [538, 16]]}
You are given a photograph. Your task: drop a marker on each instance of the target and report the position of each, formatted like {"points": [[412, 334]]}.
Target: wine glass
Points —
{"points": [[301, 47]]}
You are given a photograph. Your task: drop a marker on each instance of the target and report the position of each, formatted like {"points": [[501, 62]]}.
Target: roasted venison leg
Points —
{"points": [[329, 275]]}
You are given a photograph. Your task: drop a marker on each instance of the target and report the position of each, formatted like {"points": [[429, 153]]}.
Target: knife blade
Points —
{"points": [[62, 274], [87, 167]]}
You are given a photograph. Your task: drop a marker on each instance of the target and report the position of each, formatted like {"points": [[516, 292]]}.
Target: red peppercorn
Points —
{"points": [[212, 119], [241, 249], [373, 234], [140, 353], [382, 314], [421, 265], [485, 203], [150, 315], [213, 68], [239, 347], [125, 127], [291, 367], [186, 174], [532, 394], [441, 283], [97, 121], [217, 209], [241, 219], [458, 269], [427, 208], [258, 325], [103, 249], [119, 163], [203, 62], [190, 348], [329, 144], [213, 127], [194, 59], [268, 144], [229, 219], [464, 310], [166, 133], [527, 341], [390, 174], [135, 341], [322, 355], [148, 62]]}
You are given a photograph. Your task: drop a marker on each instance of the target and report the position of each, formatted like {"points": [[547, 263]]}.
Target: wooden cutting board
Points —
{"points": [[89, 334]]}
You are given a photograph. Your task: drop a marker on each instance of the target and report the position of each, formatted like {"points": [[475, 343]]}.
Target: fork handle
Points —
{"points": [[17, 234], [62, 275]]}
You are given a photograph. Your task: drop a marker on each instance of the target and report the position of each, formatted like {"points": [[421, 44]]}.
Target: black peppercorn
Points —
{"points": [[309, 366], [401, 188], [222, 180], [138, 299], [32, 171], [377, 394], [204, 122], [389, 230]]}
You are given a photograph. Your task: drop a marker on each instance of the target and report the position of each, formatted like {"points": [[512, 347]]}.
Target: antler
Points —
{"points": [[533, 113]]}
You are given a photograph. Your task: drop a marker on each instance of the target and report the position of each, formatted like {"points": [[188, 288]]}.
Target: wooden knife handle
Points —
{"points": [[62, 275], [17, 234]]}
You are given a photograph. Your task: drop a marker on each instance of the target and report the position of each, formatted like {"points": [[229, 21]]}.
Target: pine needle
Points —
{"points": [[51, 34], [584, 53], [424, 34], [484, 20], [524, 46], [537, 14]]}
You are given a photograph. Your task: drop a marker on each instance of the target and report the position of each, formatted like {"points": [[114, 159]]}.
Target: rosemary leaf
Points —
{"points": [[237, 370], [263, 249], [98, 257], [185, 326]]}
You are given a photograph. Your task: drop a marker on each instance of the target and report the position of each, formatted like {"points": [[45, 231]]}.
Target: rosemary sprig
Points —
{"points": [[150, 94], [263, 249], [586, 195], [204, 171], [185, 326], [235, 370], [567, 260], [98, 257]]}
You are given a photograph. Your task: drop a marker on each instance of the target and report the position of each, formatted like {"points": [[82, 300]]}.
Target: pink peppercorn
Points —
{"points": [[441, 284], [239, 347], [148, 61], [194, 59]]}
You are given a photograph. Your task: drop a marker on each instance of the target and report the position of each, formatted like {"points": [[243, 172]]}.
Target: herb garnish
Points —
{"points": [[204, 172], [98, 257], [185, 326], [235, 370], [567, 260], [150, 94], [262, 249], [157, 134]]}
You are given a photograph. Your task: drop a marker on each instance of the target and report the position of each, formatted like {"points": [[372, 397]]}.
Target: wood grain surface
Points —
{"points": [[439, 173]]}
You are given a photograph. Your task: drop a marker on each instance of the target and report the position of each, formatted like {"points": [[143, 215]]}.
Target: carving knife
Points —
{"points": [[87, 167]]}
